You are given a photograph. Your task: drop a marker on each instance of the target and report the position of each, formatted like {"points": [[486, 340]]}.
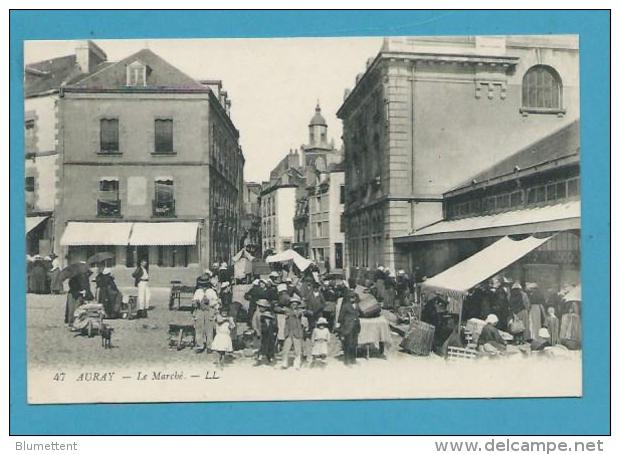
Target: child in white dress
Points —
{"points": [[320, 341], [222, 343]]}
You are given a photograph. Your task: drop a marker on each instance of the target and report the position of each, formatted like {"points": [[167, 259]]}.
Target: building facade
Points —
{"points": [[325, 206], [251, 218], [150, 169], [429, 113], [284, 199], [42, 82]]}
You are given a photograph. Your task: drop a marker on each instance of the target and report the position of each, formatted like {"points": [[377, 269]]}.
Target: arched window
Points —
{"points": [[542, 89]]}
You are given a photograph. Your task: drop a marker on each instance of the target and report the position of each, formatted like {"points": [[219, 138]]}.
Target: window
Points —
{"points": [[342, 193], [135, 254], [108, 135], [318, 204], [542, 89], [136, 74], [30, 184], [573, 187], [163, 136], [29, 125], [503, 201], [108, 201], [516, 199], [173, 256], [163, 204]]}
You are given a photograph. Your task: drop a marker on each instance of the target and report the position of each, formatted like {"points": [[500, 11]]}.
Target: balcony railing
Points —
{"points": [[163, 208], [109, 208]]}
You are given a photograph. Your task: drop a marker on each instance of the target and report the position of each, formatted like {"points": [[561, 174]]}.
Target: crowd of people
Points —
{"points": [[530, 315], [300, 313], [283, 315], [43, 273]]}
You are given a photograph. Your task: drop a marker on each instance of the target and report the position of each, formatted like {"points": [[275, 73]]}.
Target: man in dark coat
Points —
{"points": [[293, 333], [350, 327], [109, 295], [256, 292], [79, 290]]}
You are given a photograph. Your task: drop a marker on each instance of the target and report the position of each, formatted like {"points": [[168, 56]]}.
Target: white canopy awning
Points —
{"points": [[82, 233], [290, 255], [457, 280], [33, 221], [174, 233]]}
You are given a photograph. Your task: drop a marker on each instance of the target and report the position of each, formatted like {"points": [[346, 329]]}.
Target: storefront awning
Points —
{"points": [[81, 233], [33, 221], [457, 280], [558, 217], [174, 233]]}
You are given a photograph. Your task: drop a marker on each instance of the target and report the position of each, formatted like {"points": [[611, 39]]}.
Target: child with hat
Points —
{"points": [[222, 343], [320, 340]]}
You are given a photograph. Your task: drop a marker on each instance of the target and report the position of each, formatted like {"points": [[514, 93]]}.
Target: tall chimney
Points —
{"points": [[88, 55]]}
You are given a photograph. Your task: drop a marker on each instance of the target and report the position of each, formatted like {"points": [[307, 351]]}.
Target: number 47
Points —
{"points": [[59, 377]]}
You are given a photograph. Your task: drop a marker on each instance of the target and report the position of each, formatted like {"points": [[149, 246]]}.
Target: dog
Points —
{"points": [[106, 336]]}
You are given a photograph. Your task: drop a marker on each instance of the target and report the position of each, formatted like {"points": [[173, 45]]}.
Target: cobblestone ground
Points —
{"points": [[138, 341]]}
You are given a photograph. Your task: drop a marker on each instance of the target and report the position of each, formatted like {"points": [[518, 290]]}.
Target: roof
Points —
{"points": [[559, 144], [162, 75], [317, 119], [536, 219], [48, 75]]}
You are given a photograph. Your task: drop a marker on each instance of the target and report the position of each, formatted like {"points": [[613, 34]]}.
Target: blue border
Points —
{"points": [[588, 415]]}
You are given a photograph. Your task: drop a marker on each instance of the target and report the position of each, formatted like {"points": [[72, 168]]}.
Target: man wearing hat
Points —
{"points": [[262, 305], [293, 333], [226, 295], [268, 332], [272, 283], [205, 312]]}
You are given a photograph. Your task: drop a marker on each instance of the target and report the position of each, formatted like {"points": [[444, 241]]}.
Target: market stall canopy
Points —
{"points": [[574, 295], [173, 233], [33, 221], [290, 255], [457, 280], [82, 233], [531, 220], [243, 253]]}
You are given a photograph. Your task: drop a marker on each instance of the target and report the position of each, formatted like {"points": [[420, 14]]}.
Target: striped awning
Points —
{"points": [[96, 233], [164, 233]]}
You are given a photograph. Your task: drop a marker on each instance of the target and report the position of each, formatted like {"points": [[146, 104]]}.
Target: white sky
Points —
{"points": [[273, 83]]}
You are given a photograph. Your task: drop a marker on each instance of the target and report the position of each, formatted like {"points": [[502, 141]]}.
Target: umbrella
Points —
{"points": [[99, 257], [72, 270]]}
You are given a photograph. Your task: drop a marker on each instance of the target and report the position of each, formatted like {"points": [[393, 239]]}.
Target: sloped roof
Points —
{"points": [[161, 75], [559, 144], [50, 74]]}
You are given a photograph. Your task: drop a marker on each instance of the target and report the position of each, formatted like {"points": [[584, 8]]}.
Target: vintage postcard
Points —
{"points": [[303, 218]]}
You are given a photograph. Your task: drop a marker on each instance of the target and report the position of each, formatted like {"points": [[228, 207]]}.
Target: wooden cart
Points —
{"points": [[181, 297]]}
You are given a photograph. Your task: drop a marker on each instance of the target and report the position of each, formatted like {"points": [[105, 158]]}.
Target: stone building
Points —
{"points": [[250, 236], [42, 83], [430, 113], [150, 168], [323, 202]]}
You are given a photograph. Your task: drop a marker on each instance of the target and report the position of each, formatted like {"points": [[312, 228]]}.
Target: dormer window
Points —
{"points": [[136, 74]]}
